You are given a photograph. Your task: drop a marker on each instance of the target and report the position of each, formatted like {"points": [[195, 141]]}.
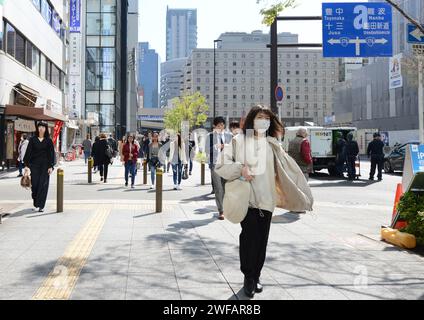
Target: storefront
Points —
{"points": [[20, 119]]}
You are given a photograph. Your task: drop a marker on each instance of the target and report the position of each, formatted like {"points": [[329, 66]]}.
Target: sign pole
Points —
{"points": [[420, 99]]}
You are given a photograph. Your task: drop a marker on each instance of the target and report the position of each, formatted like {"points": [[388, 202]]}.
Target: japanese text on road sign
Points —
{"points": [[357, 30]]}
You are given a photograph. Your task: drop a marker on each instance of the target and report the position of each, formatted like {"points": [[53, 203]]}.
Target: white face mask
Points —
{"points": [[262, 125]]}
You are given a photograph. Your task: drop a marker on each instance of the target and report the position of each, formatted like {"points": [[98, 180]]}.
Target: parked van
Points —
{"points": [[323, 144]]}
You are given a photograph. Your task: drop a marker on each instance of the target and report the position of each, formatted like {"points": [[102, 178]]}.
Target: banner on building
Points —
{"points": [[75, 76], [395, 72], [57, 127], [75, 16]]}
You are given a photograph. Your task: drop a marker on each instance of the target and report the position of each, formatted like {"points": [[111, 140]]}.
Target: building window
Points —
{"points": [[46, 11], [55, 76], [10, 40], [49, 71], [43, 66], [234, 96]]}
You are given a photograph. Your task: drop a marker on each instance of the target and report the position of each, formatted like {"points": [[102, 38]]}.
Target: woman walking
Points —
{"points": [[177, 157], [274, 180], [40, 159], [130, 152], [94, 152], [153, 157], [102, 153]]}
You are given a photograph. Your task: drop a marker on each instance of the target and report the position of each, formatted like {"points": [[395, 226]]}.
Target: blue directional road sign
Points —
{"points": [[279, 93], [357, 29], [414, 34]]}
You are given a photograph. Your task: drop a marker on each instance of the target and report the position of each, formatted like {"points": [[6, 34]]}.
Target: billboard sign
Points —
{"points": [[75, 16]]}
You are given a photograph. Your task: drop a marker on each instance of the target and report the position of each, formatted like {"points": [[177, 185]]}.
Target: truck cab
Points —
{"points": [[323, 144]]}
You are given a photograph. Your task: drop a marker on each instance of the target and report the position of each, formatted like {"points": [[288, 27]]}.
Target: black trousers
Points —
{"points": [[351, 170], [377, 161], [40, 185], [103, 168], [253, 242]]}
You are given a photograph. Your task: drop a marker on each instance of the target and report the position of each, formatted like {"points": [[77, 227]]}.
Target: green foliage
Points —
{"points": [[191, 108], [272, 11], [411, 209]]}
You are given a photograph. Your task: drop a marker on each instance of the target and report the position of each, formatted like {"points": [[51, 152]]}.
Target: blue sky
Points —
{"points": [[219, 16]]}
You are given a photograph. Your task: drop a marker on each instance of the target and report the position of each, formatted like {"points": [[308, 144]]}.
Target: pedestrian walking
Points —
{"points": [[217, 140], [340, 154], [39, 163], [153, 157], [130, 152], [191, 152], [87, 145], [114, 145], [94, 152], [235, 128], [178, 159], [103, 155], [352, 151], [375, 152], [274, 180], [300, 151], [23, 145]]}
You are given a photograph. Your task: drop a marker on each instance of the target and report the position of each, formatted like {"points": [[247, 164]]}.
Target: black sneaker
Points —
{"points": [[126, 184], [249, 287], [40, 210]]}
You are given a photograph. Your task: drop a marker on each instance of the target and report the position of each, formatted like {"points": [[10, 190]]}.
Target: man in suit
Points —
{"points": [[216, 141]]}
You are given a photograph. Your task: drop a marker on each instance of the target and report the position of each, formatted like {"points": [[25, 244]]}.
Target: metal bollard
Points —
{"points": [[90, 169], [145, 172], [159, 187], [202, 173], [60, 181]]}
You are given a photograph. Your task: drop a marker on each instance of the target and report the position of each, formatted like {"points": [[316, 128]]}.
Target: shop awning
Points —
{"points": [[33, 113]]}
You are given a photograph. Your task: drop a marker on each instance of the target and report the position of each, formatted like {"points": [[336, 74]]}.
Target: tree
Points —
{"points": [[191, 108], [273, 8]]}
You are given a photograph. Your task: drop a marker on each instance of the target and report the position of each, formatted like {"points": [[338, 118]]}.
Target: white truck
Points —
{"points": [[323, 142]]}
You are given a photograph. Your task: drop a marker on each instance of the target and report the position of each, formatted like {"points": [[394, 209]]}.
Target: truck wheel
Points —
{"points": [[332, 171], [388, 167]]}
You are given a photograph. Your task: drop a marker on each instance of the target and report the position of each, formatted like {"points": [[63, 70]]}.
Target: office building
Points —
{"points": [[148, 75], [33, 42], [172, 80], [243, 79], [181, 32], [106, 64]]}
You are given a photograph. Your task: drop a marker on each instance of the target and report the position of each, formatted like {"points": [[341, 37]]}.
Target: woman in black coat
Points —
{"points": [[93, 153], [40, 159], [101, 159]]}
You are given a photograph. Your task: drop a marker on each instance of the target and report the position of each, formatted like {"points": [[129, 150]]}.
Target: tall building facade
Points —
{"points": [[181, 32], [33, 44], [106, 63], [132, 83], [148, 75], [242, 80], [172, 80]]}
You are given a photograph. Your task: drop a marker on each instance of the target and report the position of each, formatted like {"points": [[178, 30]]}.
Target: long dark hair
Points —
{"points": [[46, 133], [275, 126]]}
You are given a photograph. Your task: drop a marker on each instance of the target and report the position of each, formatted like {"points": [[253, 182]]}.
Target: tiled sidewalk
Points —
{"points": [[185, 253]]}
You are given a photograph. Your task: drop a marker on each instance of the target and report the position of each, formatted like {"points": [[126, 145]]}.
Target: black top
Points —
{"points": [[99, 152], [352, 148], [375, 147], [40, 153]]}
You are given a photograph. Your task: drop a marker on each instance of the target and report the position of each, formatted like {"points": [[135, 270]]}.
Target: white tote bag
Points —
{"points": [[236, 200]]}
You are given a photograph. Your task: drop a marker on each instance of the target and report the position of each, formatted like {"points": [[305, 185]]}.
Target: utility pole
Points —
{"points": [[420, 99]]}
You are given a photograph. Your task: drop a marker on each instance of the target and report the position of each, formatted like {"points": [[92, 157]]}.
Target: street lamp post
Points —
{"points": [[214, 76]]}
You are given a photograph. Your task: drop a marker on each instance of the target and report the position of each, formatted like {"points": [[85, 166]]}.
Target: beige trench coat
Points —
{"points": [[292, 189]]}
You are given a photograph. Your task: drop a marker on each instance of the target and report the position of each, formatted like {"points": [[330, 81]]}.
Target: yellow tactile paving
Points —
{"points": [[61, 281]]}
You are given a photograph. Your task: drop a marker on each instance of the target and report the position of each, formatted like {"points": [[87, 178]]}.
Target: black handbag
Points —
{"points": [[185, 172]]}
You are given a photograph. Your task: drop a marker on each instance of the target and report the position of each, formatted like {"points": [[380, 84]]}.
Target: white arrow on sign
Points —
{"points": [[417, 34], [357, 42]]}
